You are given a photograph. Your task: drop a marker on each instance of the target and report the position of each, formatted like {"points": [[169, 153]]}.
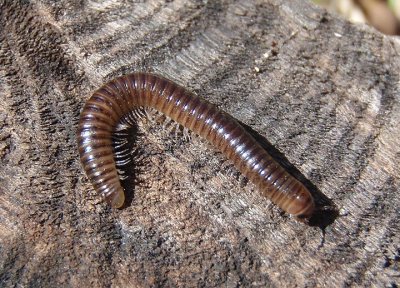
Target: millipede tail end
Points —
{"points": [[117, 199]]}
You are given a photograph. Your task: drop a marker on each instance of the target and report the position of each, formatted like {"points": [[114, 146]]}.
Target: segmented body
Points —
{"points": [[118, 98]]}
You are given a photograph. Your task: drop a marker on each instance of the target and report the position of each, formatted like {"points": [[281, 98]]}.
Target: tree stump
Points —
{"points": [[310, 86]]}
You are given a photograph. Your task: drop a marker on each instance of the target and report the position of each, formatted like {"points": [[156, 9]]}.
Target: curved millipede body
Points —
{"points": [[117, 99]]}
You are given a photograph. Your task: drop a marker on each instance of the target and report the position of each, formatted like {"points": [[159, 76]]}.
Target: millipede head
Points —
{"points": [[303, 205]]}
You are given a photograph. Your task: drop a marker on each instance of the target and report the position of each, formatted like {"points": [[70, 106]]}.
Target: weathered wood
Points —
{"points": [[324, 92]]}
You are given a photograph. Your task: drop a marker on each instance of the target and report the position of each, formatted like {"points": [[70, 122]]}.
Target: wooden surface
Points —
{"points": [[321, 91]]}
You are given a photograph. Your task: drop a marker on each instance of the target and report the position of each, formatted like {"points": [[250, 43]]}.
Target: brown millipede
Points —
{"points": [[116, 100]]}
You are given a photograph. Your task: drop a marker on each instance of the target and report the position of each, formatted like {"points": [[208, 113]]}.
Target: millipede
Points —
{"points": [[119, 98]]}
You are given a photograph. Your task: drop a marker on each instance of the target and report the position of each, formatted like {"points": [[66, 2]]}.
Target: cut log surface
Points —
{"points": [[310, 86]]}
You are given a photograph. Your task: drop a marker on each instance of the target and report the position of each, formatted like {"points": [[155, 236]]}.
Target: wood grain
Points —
{"points": [[321, 91]]}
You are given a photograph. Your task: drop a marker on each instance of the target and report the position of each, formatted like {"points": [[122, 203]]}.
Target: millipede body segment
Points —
{"points": [[106, 108]]}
